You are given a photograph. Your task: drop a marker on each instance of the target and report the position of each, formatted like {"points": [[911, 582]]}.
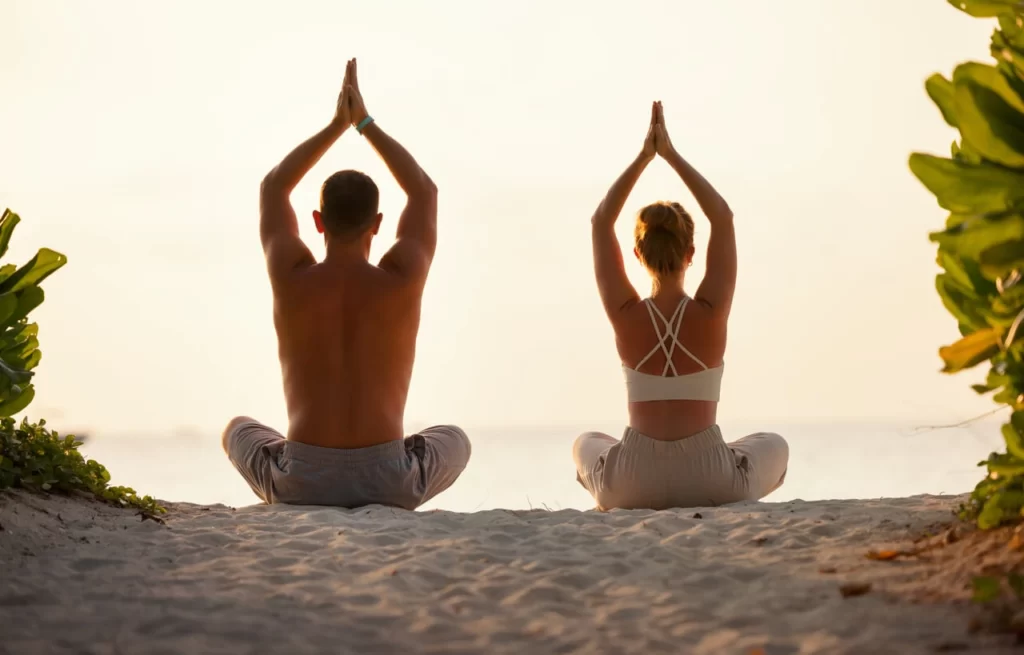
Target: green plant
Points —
{"points": [[981, 249], [35, 458], [20, 293]]}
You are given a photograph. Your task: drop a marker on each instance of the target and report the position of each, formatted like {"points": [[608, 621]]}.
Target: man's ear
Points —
{"points": [[636, 253], [376, 223], [318, 219]]}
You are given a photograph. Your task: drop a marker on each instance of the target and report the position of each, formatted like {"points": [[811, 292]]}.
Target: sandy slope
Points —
{"points": [[80, 577]]}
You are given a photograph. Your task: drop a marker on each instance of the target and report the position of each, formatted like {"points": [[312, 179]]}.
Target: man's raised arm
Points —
{"points": [[279, 228], [416, 236]]}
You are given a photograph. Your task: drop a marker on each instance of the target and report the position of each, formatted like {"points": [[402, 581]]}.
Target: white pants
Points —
{"points": [[701, 470]]}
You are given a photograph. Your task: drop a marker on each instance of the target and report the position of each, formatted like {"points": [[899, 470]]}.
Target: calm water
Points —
{"points": [[523, 468]]}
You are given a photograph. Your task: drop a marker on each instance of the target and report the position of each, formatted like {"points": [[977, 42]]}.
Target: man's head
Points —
{"points": [[348, 206]]}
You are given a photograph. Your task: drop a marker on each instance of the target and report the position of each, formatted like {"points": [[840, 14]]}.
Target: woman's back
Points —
{"points": [[672, 383]]}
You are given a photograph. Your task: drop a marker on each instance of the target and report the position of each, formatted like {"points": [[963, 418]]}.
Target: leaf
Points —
{"points": [[1001, 259], [970, 239], [940, 90], [986, 589], [964, 188], [961, 302], [28, 299], [985, 8], [8, 221], [8, 305], [853, 589], [36, 270], [887, 555], [1017, 584], [989, 114], [1014, 439], [971, 350], [15, 405]]}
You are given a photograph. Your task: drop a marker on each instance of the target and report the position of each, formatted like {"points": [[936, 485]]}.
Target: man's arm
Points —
{"points": [[279, 229], [416, 235]]}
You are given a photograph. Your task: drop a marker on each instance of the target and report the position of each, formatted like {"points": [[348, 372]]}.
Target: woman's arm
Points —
{"points": [[616, 291], [719, 284]]}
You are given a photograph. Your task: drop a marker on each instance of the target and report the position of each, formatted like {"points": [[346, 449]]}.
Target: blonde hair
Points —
{"points": [[663, 235]]}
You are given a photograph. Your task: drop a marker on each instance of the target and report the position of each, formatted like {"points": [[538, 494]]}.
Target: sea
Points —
{"points": [[524, 468]]}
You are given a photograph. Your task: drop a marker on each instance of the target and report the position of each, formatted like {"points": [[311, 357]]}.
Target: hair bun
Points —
{"points": [[661, 215]]}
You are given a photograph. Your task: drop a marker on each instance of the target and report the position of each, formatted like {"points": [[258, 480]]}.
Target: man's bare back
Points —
{"points": [[347, 339], [346, 333]]}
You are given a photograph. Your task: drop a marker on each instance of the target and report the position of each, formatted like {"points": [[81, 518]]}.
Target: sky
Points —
{"points": [[133, 138]]}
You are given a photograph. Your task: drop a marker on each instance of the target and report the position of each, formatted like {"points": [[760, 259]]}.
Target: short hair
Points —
{"points": [[663, 235], [348, 203]]}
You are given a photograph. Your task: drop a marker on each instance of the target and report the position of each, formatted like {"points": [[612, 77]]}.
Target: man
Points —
{"points": [[346, 333]]}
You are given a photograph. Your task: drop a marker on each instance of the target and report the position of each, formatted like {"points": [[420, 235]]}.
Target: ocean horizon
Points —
{"points": [[531, 467]]}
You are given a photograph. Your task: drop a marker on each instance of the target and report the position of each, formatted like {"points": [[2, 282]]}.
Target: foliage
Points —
{"points": [[20, 293], [981, 249], [33, 457]]}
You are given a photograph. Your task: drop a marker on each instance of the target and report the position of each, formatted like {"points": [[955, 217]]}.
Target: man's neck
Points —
{"points": [[344, 251]]}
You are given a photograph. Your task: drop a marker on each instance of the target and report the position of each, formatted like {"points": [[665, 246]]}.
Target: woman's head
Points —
{"points": [[663, 238]]}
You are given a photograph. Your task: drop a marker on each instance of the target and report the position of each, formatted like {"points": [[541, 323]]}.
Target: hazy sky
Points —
{"points": [[133, 137]]}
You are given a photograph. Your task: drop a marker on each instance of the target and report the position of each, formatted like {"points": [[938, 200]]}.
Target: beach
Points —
{"points": [[787, 577]]}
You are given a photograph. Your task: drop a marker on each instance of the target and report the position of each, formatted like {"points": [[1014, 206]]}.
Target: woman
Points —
{"points": [[671, 346]]}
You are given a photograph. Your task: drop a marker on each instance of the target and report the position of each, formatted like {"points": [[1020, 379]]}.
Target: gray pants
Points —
{"points": [[698, 471], [404, 473]]}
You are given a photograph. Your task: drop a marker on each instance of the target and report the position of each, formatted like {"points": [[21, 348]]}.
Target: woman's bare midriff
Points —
{"points": [[672, 420]]}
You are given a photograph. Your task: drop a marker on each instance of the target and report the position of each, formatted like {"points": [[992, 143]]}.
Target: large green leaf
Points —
{"points": [[971, 350], [990, 124], [16, 376], [34, 271], [976, 235], [19, 402], [965, 188], [990, 114], [28, 299], [986, 8], [8, 222], [941, 92]]}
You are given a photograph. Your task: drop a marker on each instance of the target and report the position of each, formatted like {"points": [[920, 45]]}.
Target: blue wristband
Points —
{"points": [[363, 123]]}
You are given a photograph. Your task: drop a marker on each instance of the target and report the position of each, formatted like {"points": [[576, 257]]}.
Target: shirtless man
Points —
{"points": [[346, 333]]}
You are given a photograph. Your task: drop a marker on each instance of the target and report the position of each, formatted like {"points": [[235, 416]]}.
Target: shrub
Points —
{"points": [[981, 249], [35, 458], [31, 456], [20, 293]]}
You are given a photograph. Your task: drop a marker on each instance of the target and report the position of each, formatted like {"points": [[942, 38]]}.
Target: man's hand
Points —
{"points": [[342, 114], [650, 143], [356, 108], [663, 144]]}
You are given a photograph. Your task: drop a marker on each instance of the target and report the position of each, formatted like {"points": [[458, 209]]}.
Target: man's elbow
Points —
{"points": [[271, 184], [425, 189]]}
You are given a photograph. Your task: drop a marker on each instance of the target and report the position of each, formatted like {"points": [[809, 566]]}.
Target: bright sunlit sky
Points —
{"points": [[133, 137]]}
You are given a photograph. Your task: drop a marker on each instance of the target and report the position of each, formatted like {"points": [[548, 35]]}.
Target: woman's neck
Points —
{"points": [[671, 285]]}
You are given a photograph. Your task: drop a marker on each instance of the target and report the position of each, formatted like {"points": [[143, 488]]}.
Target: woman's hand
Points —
{"points": [[651, 142], [663, 144]]}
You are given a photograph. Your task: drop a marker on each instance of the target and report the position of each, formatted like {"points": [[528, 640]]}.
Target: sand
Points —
{"points": [[80, 577]]}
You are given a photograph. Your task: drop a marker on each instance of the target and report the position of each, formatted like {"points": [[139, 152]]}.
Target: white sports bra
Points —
{"points": [[705, 384]]}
